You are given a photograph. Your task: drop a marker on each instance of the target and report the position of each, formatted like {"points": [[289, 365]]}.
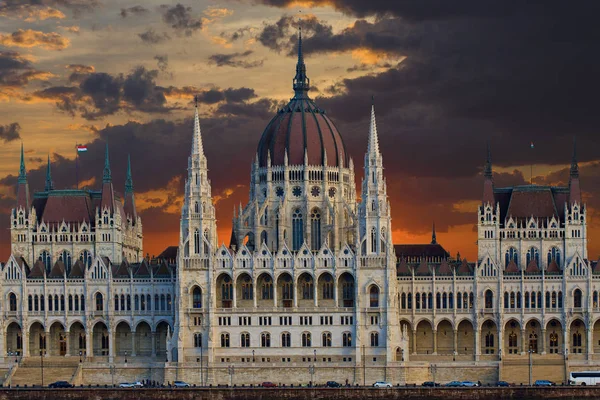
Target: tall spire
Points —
{"points": [[49, 184], [128, 179], [301, 81], [373, 146], [433, 238], [22, 170], [487, 170], [574, 165], [197, 140], [106, 178]]}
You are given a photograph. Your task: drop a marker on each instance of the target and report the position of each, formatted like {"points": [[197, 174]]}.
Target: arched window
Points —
{"points": [[418, 301], [225, 340], [347, 339], [65, 257], [438, 300], [315, 229], [326, 338], [374, 296], [373, 240], [307, 289], [327, 288], [533, 254], [196, 207], [286, 339], [30, 303], [245, 339], [553, 302], [197, 340], [197, 298], [306, 339], [206, 241], [47, 260], [99, 302], [196, 241], [577, 298], [374, 339], [142, 302], [297, 230], [264, 237], [560, 300], [82, 303], [553, 343], [86, 258], [265, 339], [403, 301], [169, 303], [267, 288], [226, 289], [554, 255], [527, 304], [136, 302], [511, 255], [489, 299]]}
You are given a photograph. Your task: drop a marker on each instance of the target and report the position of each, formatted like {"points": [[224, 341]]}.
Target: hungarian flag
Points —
{"points": [[532, 145], [81, 148]]}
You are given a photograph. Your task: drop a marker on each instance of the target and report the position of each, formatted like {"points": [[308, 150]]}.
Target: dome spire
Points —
{"points": [[197, 141], [373, 139], [106, 177], [301, 81], [22, 170], [49, 184]]}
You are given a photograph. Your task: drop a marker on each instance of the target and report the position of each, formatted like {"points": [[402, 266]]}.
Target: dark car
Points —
{"points": [[543, 382], [60, 385], [268, 385], [502, 384], [454, 384], [333, 384], [430, 384]]}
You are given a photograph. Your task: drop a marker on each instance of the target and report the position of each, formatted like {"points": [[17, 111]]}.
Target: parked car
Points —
{"points": [[138, 384], [268, 384], [382, 384], [333, 384], [502, 384], [470, 384], [430, 384], [126, 385], [181, 384], [543, 382], [60, 385], [454, 384]]}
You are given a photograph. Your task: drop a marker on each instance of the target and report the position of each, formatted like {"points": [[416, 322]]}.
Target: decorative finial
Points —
{"points": [[301, 81], [22, 170], [373, 145], [107, 177], [487, 170], [49, 185], [433, 237], [574, 164], [196, 101], [128, 179]]}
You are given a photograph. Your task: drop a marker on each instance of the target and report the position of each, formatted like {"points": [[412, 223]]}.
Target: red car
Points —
{"points": [[268, 384]]}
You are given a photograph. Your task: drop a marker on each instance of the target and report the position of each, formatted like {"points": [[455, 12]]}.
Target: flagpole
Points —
{"points": [[76, 167]]}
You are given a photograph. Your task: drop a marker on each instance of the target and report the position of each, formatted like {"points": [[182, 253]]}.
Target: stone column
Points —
{"points": [[133, 344], [254, 282], [274, 293], [234, 300], [154, 344], [524, 347], [544, 343], [455, 340], [335, 292], [316, 293], [590, 343], [435, 342], [68, 343], [25, 336], [414, 341], [477, 342], [89, 350], [111, 344]]}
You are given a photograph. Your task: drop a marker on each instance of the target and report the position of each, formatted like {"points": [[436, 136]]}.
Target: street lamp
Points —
{"points": [[315, 363], [231, 371], [201, 361], [80, 354], [252, 355], [42, 352], [530, 365], [311, 369], [125, 357]]}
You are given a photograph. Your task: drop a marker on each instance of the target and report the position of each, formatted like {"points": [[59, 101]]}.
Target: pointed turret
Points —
{"points": [[433, 237], [488, 181], [301, 81], [197, 140], [574, 188], [108, 195], [22, 185], [129, 206], [373, 146], [49, 184]]}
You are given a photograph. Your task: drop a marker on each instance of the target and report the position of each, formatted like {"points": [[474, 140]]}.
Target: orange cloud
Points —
{"points": [[167, 199], [30, 14], [214, 12], [221, 41], [30, 38], [72, 29]]}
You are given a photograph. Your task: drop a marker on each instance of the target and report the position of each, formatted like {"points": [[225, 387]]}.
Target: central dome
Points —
{"points": [[302, 128]]}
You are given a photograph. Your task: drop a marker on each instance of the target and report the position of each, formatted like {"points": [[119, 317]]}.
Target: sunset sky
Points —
{"points": [[447, 76]]}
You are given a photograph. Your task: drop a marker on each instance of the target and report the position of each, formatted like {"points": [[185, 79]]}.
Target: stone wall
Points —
{"points": [[579, 392]]}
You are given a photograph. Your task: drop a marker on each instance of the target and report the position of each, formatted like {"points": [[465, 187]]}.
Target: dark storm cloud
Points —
{"points": [[10, 132], [135, 10], [152, 37], [237, 34], [16, 70], [162, 62], [233, 60], [180, 18], [230, 95]]}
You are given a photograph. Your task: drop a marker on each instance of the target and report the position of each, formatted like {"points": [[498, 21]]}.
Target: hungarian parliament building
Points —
{"points": [[311, 286]]}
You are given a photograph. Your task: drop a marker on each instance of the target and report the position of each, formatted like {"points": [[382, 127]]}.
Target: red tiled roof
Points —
{"points": [[444, 269], [553, 267], [162, 269], [511, 267], [122, 271], [423, 268], [464, 268], [70, 206], [532, 267], [77, 270], [537, 202], [58, 270], [420, 250], [403, 268], [143, 271], [38, 270], [170, 253], [298, 128]]}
